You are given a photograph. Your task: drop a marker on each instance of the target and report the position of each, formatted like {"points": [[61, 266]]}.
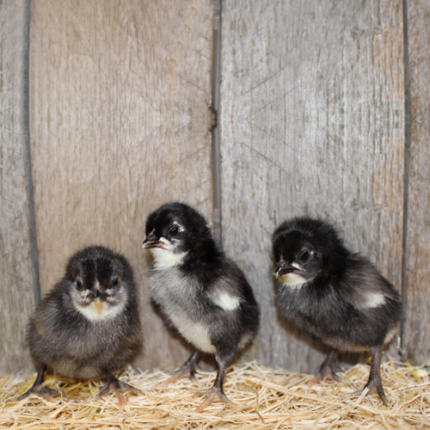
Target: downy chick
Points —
{"points": [[335, 295], [203, 294], [88, 325]]}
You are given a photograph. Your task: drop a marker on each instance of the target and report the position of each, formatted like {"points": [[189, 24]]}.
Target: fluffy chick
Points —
{"points": [[88, 325], [203, 294], [335, 295]]}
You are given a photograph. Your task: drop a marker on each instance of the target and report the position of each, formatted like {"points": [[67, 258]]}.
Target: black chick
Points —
{"points": [[203, 294], [88, 325], [335, 295]]}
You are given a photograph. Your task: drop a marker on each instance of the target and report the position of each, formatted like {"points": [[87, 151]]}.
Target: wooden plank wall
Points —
{"points": [[312, 122], [18, 263], [120, 96], [417, 327]]}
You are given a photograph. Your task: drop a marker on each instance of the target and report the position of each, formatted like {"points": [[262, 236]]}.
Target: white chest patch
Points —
{"points": [[373, 300], [165, 259], [226, 301], [293, 280], [196, 333], [99, 311], [174, 293]]}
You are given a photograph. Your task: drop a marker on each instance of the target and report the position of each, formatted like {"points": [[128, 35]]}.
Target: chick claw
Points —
{"points": [[185, 371], [373, 386], [43, 391], [115, 385], [211, 395], [324, 373], [326, 370], [189, 368]]}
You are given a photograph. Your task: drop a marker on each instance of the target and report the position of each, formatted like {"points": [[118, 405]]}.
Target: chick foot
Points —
{"points": [[115, 385], [326, 370], [44, 391], [374, 383], [189, 369], [211, 395], [373, 386], [40, 388]]}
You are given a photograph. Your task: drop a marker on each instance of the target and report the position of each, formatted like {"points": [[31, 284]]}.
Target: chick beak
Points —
{"points": [[283, 267], [98, 302], [151, 242]]}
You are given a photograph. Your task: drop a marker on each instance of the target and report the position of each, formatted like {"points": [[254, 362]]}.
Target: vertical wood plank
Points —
{"points": [[417, 279], [312, 122], [18, 266], [119, 124]]}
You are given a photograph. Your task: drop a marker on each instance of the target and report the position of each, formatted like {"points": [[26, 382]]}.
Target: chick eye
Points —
{"points": [[114, 282], [173, 231], [79, 283], [304, 256]]}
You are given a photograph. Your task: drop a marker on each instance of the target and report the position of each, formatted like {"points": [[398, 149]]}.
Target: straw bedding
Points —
{"points": [[265, 398]]}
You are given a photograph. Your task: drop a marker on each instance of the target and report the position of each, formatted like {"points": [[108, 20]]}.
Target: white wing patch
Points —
{"points": [[373, 300], [166, 259], [226, 301], [293, 280]]}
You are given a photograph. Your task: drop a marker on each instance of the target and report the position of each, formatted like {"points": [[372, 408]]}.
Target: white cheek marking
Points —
{"points": [[195, 333], [226, 301], [373, 300], [292, 280], [162, 239], [166, 259], [99, 312], [295, 265]]}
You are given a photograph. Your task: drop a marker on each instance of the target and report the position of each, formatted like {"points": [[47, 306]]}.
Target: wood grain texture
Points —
{"points": [[119, 124], [312, 122], [18, 266], [417, 280]]}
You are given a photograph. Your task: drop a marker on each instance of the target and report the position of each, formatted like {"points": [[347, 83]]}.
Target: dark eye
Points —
{"points": [[304, 256], [114, 282], [79, 283], [173, 231]]}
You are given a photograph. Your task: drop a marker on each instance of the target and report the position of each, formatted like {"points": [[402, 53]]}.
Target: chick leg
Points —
{"points": [[115, 385], [217, 390], [375, 383], [38, 386], [189, 368], [326, 369]]}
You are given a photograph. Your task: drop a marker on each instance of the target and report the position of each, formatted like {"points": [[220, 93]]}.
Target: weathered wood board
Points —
{"points": [[417, 279], [18, 265], [119, 124], [312, 122]]}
